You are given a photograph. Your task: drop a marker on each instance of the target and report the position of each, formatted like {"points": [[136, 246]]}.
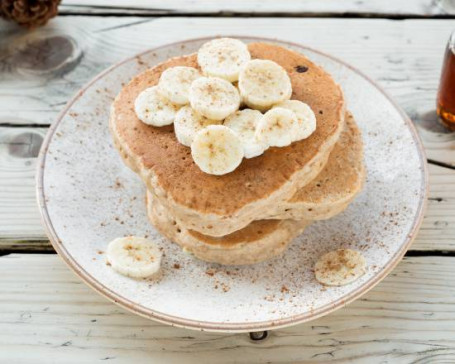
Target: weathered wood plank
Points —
{"points": [[20, 222], [438, 227], [19, 216], [49, 315], [41, 70], [214, 7], [403, 56]]}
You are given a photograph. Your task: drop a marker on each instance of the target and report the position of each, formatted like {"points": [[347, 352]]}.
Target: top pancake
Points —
{"points": [[168, 168]]}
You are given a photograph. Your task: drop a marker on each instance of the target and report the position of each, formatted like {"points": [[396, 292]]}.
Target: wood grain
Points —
{"points": [[298, 7], [20, 222], [403, 56], [19, 216], [438, 227], [49, 315]]}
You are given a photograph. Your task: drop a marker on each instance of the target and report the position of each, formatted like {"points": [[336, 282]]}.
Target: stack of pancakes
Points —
{"points": [[251, 214]]}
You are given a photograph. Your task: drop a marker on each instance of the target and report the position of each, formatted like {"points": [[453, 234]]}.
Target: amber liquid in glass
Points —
{"points": [[446, 95]]}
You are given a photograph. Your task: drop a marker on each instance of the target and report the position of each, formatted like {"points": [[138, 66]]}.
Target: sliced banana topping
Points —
{"points": [[230, 79], [217, 150], [305, 117], [223, 57], [340, 267], [263, 83], [244, 123], [276, 127], [214, 98], [134, 256], [154, 109], [188, 122], [175, 83]]}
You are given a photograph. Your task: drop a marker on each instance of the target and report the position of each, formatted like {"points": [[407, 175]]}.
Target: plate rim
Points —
{"points": [[172, 320]]}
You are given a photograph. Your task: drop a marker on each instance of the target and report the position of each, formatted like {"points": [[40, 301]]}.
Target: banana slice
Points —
{"points": [[244, 123], [340, 267], [175, 83], [217, 150], [305, 117], [223, 57], [134, 256], [263, 83], [214, 98], [154, 109], [276, 127], [188, 122]]}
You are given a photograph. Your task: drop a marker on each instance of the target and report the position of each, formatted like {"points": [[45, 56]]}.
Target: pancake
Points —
{"points": [[329, 194], [336, 186], [259, 241], [331, 191], [219, 205]]}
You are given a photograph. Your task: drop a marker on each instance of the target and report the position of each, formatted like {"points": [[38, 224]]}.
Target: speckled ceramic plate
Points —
{"points": [[88, 197]]}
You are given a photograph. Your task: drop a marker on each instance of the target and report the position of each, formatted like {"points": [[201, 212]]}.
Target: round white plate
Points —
{"points": [[88, 197]]}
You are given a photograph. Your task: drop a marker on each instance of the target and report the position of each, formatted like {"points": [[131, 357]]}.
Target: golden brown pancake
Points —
{"points": [[219, 205], [330, 193]]}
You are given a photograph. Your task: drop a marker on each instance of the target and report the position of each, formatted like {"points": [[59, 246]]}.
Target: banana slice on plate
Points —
{"points": [[340, 267], [263, 83], [188, 122], [305, 118], [154, 109], [244, 123], [217, 150], [175, 83], [276, 127], [213, 97], [223, 57], [134, 257]]}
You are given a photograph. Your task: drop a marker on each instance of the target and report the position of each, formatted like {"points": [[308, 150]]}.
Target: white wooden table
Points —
{"points": [[48, 315]]}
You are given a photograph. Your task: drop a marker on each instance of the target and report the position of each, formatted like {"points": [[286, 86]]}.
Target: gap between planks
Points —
{"points": [[125, 13], [375, 8]]}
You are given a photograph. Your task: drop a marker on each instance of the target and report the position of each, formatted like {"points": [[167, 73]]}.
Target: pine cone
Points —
{"points": [[29, 13]]}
